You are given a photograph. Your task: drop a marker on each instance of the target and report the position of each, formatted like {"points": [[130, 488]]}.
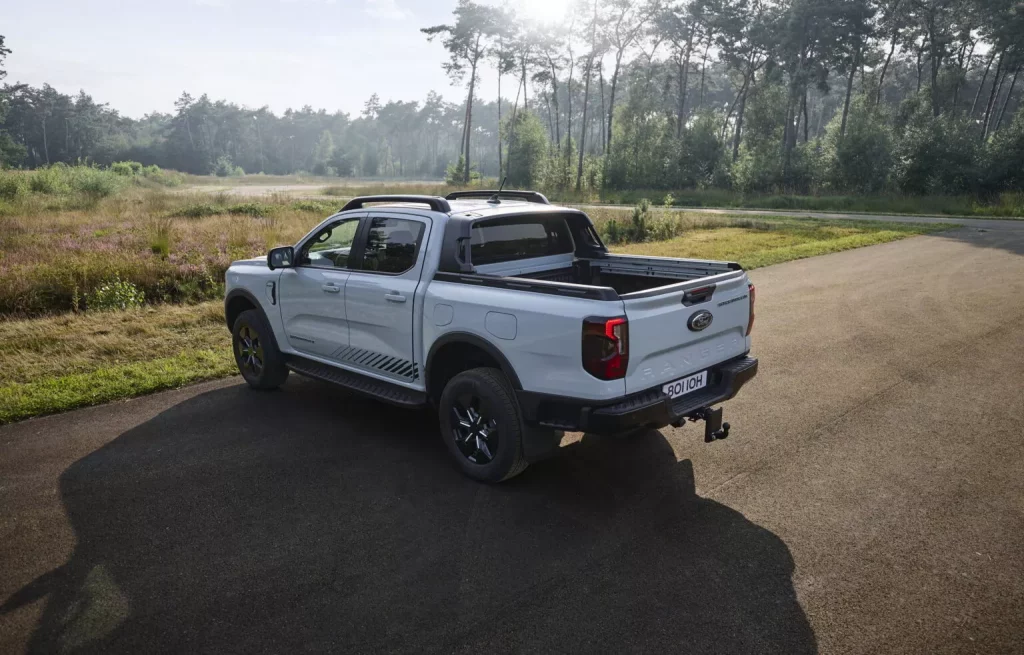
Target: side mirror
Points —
{"points": [[281, 257]]}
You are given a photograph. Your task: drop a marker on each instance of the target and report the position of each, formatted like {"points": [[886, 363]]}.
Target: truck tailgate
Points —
{"points": [[662, 346]]}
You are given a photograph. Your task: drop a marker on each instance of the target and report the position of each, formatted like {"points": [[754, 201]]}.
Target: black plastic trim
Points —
{"points": [[650, 408], [240, 293], [436, 203], [692, 297], [363, 384], [526, 284], [528, 196], [479, 342]]}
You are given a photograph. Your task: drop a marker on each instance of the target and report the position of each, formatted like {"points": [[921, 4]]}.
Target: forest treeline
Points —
{"points": [[846, 96]]}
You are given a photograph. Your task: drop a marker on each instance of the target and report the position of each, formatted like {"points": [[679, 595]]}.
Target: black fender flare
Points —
{"points": [[240, 293], [479, 342]]}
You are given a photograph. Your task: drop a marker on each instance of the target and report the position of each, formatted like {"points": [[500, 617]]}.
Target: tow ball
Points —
{"points": [[713, 426]]}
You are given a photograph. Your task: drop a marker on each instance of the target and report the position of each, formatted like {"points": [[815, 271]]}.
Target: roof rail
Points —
{"points": [[436, 203], [496, 194]]}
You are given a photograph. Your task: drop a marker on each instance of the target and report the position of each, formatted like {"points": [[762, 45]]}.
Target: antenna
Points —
{"points": [[501, 186]]}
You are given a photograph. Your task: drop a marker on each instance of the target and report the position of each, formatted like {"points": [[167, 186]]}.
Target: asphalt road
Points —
{"points": [[870, 499]]}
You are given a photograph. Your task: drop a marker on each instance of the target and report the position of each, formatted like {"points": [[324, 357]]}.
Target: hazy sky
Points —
{"points": [[139, 56]]}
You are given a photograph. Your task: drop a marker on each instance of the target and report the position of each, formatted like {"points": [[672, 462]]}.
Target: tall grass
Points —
{"points": [[56, 249], [62, 187], [172, 247]]}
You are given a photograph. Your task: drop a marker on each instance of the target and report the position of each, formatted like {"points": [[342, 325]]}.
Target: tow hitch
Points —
{"points": [[713, 426]]}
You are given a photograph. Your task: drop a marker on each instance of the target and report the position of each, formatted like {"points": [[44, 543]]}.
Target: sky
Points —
{"points": [[139, 56]]}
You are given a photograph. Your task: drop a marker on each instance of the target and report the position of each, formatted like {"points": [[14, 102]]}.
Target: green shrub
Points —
{"points": [[224, 167], [254, 209], [12, 185], [640, 222], [61, 180], [612, 232], [665, 228], [126, 168], [50, 180], [315, 206], [198, 210], [166, 178], [94, 182], [115, 294]]}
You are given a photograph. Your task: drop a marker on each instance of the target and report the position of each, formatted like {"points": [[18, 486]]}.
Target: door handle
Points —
{"points": [[394, 296], [330, 288]]}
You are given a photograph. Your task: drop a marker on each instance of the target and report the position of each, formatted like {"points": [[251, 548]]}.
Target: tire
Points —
{"points": [[481, 425], [259, 360]]}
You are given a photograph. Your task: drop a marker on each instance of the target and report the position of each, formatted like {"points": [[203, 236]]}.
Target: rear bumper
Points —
{"points": [[646, 409]]}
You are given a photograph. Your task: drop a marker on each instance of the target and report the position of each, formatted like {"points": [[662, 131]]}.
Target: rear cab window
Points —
{"points": [[391, 245], [519, 237]]}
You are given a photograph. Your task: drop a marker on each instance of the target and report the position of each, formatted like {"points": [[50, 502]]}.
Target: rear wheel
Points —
{"points": [[256, 353], [481, 425]]}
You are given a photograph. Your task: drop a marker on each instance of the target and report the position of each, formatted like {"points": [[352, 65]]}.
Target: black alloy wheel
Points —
{"points": [[258, 358], [250, 350], [476, 434]]}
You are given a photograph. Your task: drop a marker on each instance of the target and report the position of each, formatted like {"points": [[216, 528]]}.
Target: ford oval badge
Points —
{"points": [[700, 320]]}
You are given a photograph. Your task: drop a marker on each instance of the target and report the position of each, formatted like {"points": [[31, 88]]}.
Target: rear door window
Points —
{"points": [[520, 237], [391, 245]]}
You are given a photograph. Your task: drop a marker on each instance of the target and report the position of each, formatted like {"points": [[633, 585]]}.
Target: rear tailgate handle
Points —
{"points": [[697, 296]]}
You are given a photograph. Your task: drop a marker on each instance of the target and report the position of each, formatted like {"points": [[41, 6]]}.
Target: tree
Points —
{"points": [[622, 28], [856, 26], [527, 150], [465, 41], [10, 152], [744, 31], [856, 152], [594, 52], [503, 52]]}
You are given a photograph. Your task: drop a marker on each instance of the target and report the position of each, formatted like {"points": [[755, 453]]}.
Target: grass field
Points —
{"points": [[1006, 205], [61, 362], [58, 352]]}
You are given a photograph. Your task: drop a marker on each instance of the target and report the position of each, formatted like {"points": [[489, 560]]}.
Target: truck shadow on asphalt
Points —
{"points": [[309, 519]]}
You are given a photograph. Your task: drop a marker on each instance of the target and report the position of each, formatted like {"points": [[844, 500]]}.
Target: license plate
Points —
{"points": [[685, 385]]}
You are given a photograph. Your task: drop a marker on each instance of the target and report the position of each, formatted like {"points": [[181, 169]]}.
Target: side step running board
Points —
{"points": [[390, 393]]}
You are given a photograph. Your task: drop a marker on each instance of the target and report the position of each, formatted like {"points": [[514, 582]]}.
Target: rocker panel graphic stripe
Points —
{"points": [[395, 366]]}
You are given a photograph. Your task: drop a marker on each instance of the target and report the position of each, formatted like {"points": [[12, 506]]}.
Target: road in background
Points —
{"points": [[869, 499]]}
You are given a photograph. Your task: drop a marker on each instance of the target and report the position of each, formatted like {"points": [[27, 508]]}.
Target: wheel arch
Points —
{"points": [[455, 352], [238, 301]]}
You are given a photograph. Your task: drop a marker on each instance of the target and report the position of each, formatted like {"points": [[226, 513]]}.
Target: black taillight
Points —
{"points": [[606, 347], [750, 322]]}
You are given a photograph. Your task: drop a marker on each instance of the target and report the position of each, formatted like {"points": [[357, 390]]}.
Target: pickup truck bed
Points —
{"points": [[627, 274], [512, 318]]}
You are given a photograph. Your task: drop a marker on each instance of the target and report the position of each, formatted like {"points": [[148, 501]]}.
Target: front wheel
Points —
{"points": [[481, 425], [256, 353]]}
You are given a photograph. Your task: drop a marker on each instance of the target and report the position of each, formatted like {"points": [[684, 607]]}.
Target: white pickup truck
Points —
{"points": [[505, 313]]}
